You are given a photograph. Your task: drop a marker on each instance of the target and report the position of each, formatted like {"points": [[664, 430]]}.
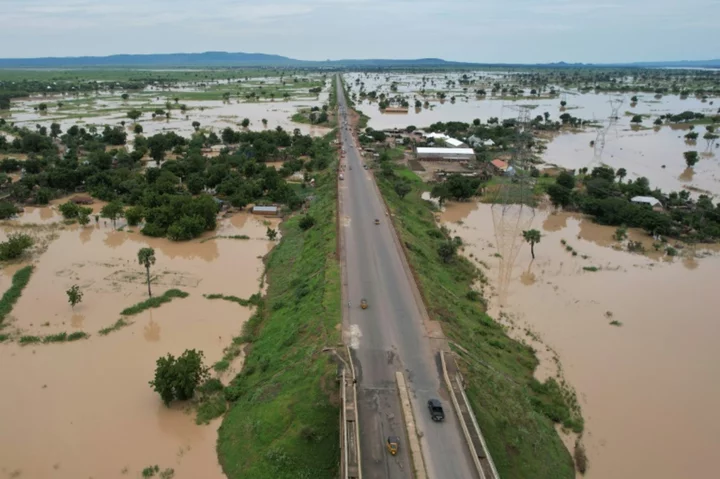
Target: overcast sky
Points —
{"points": [[526, 31]]}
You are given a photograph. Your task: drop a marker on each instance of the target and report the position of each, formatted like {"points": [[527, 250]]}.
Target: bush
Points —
{"points": [[306, 222], [178, 378], [15, 246], [7, 210]]}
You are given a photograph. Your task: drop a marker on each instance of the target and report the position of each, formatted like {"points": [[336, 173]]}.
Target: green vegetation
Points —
{"points": [[63, 337], [313, 116], [591, 268], [515, 411], [15, 246], [119, 324], [177, 379], [20, 279], [255, 299], [608, 202], [171, 200], [283, 422], [146, 257], [155, 302], [74, 295], [533, 238]]}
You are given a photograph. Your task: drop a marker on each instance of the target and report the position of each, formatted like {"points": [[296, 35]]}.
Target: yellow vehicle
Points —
{"points": [[363, 303], [377, 221], [393, 442]]}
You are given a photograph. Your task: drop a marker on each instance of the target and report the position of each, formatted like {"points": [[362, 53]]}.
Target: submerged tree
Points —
{"points": [[691, 158], [74, 295], [532, 237], [178, 378], [146, 257]]}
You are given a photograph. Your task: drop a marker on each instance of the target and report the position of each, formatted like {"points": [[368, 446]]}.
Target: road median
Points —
{"points": [[411, 428]]}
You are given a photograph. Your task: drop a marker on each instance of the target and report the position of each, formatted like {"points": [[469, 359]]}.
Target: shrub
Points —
{"points": [[306, 222], [178, 378], [15, 246]]}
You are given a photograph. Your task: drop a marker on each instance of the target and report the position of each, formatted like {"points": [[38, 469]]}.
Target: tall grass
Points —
{"points": [[287, 382], [155, 302], [20, 279]]}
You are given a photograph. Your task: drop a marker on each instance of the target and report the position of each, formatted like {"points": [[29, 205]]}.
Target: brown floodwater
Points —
{"points": [[85, 409], [648, 388]]}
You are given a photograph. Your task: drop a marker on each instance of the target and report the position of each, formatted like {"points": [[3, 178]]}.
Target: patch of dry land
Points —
{"points": [[84, 408], [634, 334]]}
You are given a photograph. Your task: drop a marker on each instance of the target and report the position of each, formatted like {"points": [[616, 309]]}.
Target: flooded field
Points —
{"points": [[647, 385], [84, 408], [200, 106]]}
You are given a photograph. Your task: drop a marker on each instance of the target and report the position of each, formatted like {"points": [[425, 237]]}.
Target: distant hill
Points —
{"points": [[229, 59]]}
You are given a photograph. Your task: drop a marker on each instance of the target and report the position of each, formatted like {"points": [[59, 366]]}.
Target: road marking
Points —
{"points": [[355, 336]]}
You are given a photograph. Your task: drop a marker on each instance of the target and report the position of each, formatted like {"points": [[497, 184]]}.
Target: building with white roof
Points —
{"points": [[447, 154]]}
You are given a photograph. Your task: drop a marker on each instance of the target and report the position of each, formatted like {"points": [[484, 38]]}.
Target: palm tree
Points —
{"points": [[146, 257], [621, 173], [532, 237]]}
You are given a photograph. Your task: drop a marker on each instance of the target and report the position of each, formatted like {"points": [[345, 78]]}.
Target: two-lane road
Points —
{"points": [[389, 336]]}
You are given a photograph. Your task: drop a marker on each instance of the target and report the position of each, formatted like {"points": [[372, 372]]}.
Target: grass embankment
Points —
{"points": [[155, 302], [20, 279], [283, 422], [515, 412]]}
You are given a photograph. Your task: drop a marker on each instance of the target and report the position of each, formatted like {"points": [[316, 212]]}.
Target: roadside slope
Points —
{"points": [[284, 419]]}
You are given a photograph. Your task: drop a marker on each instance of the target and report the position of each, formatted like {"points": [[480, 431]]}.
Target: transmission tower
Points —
{"points": [[615, 102], [513, 210]]}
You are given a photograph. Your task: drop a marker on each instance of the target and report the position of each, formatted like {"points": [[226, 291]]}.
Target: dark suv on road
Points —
{"points": [[436, 410]]}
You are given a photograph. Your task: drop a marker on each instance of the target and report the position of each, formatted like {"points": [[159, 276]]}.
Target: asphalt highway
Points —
{"points": [[389, 335]]}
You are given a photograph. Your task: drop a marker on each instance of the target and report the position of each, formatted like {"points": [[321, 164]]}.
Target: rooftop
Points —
{"points": [[444, 151], [500, 164]]}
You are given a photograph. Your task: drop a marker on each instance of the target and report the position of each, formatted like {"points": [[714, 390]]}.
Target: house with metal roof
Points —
{"points": [[447, 154]]}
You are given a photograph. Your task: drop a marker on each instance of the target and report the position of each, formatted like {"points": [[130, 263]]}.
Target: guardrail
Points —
{"points": [[411, 428], [476, 443]]}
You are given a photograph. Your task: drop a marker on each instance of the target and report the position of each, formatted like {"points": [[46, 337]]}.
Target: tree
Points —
{"points": [[83, 218], [134, 215], [179, 378], [69, 210], [196, 125], [134, 114], [559, 195], [691, 158], [264, 121], [532, 237], [634, 99], [55, 130], [658, 122], [146, 257], [157, 145], [621, 173], [271, 234], [74, 295], [566, 180], [15, 246], [637, 119], [245, 123], [124, 96], [138, 129], [563, 103], [402, 188], [447, 250], [112, 211]]}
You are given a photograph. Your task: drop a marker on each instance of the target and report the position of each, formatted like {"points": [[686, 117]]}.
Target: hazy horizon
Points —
{"points": [[486, 31]]}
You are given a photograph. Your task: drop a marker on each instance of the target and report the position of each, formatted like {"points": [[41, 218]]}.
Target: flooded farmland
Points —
{"points": [[84, 408], [646, 385], [104, 108]]}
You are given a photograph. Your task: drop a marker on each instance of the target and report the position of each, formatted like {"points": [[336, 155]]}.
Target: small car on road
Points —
{"points": [[436, 410], [377, 221]]}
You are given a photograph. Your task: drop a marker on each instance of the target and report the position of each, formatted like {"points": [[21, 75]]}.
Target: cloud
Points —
{"points": [[469, 30]]}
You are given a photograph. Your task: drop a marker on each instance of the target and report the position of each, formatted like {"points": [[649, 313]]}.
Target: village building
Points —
{"points": [[447, 154]]}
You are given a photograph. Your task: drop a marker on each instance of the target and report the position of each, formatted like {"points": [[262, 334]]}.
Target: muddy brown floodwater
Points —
{"points": [[85, 409], [649, 388]]}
